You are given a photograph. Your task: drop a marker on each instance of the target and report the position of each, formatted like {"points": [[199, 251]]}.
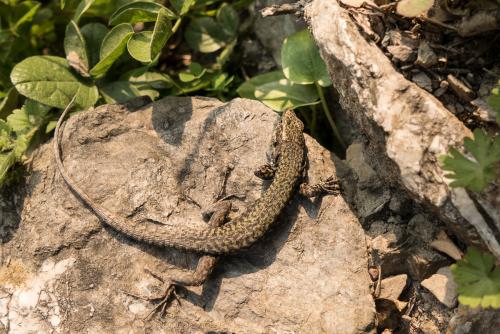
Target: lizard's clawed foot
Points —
{"points": [[165, 299], [329, 186]]}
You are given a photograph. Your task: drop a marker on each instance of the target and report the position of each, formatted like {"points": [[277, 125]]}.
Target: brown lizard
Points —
{"points": [[219, 238]]}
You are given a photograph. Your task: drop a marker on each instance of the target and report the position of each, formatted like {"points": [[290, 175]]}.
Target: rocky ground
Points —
{"points": [[374, 259]]}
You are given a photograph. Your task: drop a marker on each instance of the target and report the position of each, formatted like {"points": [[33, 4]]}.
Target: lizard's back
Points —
{"points": [[239, 233]]}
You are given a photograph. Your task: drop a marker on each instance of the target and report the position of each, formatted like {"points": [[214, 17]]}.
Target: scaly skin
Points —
{"points": [[239, 233]]}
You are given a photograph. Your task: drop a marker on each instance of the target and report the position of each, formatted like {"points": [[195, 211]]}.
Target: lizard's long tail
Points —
{"points": [[240, 233]]}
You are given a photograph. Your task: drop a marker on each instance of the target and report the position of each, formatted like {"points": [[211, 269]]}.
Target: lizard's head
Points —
{"points": [[291, 126]]}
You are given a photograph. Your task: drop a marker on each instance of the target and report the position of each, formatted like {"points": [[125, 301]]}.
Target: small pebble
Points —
{"points": [[464, 92], [423, 81]]}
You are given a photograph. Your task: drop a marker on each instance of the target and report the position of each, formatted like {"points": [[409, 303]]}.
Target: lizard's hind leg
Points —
{"points": [[330, 186], [205, 266]]}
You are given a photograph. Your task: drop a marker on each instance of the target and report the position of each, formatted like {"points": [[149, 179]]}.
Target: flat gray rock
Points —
{"points": [[63, 272]]}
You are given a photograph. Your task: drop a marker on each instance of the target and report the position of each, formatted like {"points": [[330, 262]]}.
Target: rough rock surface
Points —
{"points": [[407, 128], [442, 285], [63, 272], [393, 286], [469, 320]]}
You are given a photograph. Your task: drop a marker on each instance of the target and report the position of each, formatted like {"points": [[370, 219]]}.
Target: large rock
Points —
{"points": [[66, 273], [408, 128]]}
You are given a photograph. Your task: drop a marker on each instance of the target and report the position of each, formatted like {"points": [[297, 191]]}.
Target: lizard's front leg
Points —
{"points": [[204, 268]]}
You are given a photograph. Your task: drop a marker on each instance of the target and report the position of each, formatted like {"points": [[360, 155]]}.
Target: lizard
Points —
{"points": [[219, 238]]}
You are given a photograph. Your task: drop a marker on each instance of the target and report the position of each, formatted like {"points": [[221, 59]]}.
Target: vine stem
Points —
{"points": [[176, 25], [326, 110]]}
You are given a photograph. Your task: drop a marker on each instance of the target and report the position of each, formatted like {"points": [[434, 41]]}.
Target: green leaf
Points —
{"points": [[228, 20], [76, 49], [119, 91], [182, 6], [196, 71], [413, 8], [9, 102], [221, 81], [113, 46], [247, 89], [277, 92], [223, 57], [94, 34], [145, 91], [192, 86], [6, 142], [494, 102], [477, 280], [63, 3], [7, 160], [301, 61], [139, 46], [49, 80], [146, 46], [31, 115], [25, 122], [24, 13], [474, 173], [156, 80], [83, 6], [139, 11], [5, 128], [204, 35], [161, 33]]}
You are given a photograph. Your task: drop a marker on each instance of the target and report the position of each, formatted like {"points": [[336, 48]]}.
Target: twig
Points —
{"points": [[491, 72], [438, 23], [283, 9]]}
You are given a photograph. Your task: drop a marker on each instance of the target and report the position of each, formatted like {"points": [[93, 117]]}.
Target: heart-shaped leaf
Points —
{"points": [[204, 34], [119, 92], [83, 6], [139, 11], [161, 33], [277, 92], [139, 46], [49, 80], [182, 6], [301, 61], [113, 46], [228, 20], [94, 34], [76, 49]]}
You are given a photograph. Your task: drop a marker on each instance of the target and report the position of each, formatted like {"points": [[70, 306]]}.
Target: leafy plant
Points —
{"points": [[17, 133], [38, 77], [25, 27], [107, 63], [478, 280], [482, 166], [299, 83], [476, 171]]}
